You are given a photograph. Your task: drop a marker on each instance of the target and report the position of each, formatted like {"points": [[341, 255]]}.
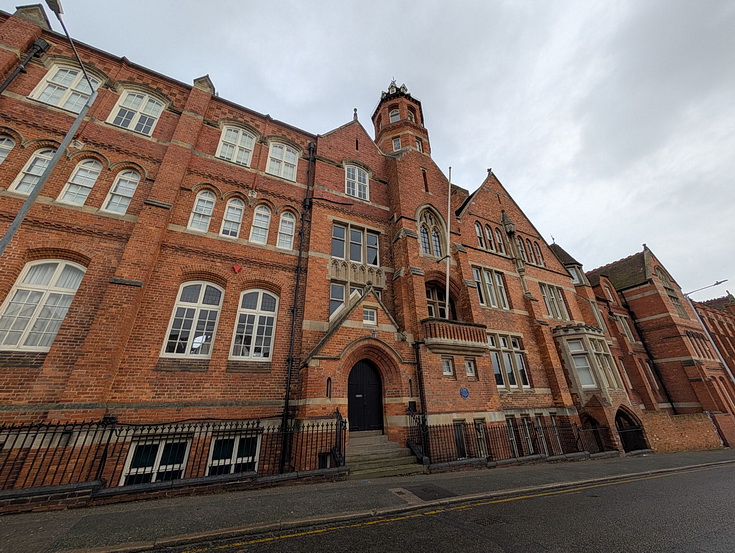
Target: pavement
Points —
{"points": [[148, 525]]}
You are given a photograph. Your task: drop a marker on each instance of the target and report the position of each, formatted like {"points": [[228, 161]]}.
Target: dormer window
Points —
{"points": [[393, 115]]}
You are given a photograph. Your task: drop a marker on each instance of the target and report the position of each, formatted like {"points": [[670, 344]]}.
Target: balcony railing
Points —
{"points": [[454, 337]]}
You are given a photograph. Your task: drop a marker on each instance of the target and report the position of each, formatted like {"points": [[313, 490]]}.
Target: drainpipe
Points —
{"points": [[294, 306], [422, 396], [39, 47]]}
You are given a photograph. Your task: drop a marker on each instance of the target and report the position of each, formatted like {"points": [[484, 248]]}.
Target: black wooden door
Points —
{"points": [[364, 398]]}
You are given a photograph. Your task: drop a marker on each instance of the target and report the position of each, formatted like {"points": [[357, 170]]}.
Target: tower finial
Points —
{"points": [[354, 114]]}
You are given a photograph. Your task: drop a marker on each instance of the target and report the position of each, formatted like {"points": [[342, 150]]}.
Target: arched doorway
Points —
{"points": [[630, 432], [364, 397]]}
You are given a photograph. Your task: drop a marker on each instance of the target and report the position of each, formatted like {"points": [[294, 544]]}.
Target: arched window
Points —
{"points": [[521, 249], [261, 223], [28, 178], [65, 87], [411, 114], [282, 161], [489, 238], [122, 191], [136, 111], [194, 320], [480, 237], [233, 218], [430, 234], [393, 115], [6, 144], [356, 182], [236, 145], [286, 230], [201, 215], [539, 257], [499, 240], [37, 304], [255, 326], [529, 252], [81, 182]]}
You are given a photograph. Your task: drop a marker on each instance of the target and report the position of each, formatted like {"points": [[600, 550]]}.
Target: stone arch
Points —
{"points": [[629, 430], [384, 358]]}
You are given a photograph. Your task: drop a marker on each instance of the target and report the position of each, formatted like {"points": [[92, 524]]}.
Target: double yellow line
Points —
{"points": [[445, 510]]}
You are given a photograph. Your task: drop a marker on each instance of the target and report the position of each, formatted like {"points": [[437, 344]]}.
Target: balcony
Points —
{"points": [[454, 337]]}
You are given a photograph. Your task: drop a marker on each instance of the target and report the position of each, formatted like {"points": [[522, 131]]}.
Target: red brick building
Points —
{"points": [[190, 258]]}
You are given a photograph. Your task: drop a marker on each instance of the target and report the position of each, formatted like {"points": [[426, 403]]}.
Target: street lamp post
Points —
{"points": [[33, 194]]}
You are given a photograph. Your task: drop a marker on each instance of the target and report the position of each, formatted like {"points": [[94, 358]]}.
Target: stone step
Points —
{"points": [[380, 463], [374, 448], [401, 470], [384, 455], [380, 438]]}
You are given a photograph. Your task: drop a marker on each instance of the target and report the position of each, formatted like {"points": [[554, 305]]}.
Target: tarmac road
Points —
{"points": [[678, 512]]}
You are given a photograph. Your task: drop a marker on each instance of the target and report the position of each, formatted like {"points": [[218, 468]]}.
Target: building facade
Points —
{"points": [[190, 258]]}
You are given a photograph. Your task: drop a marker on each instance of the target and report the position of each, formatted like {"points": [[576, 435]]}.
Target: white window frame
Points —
{"points": [[447, 366], [489, 238], [261, 323], [202, 210], [394, 115], [283, 161], [480, 235], [232, 218], [45, 312], [156, 467], [499, 240], [69, 94], [194, 348], [236, 145], [419, 145], [491, 288], [261, 225], [579, 354], [141, 116], [357, 182], [122, 191], [32, 171], [286, 231], [470, 367], [369, 316], [539, 256], [508, 359], [234, 460], [81, 182], [6, 146], [396, 143]]}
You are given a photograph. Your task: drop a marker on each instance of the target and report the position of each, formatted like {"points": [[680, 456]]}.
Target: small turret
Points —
{"points": [[399, 121]]}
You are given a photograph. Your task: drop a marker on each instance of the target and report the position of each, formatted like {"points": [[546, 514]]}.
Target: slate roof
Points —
{"points": [[563, 256], [625, 273], [720, 303]]}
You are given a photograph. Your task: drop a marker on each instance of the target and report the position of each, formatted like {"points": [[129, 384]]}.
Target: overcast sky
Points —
{"points": [[612, 123]]}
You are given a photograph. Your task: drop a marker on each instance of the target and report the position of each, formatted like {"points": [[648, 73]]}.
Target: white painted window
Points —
{"points": [[38, 303], [470, 367], [122, 191], [393, 115], [6, 145], [233, 218], [396, 143], [286, 230], [491, 288], [447, 366], [156, 460], [282, 161], [336, 297], [356, 182], [554, 301], [261, 224], [193, 320], [581, 361], [28, 178], [234, 454], [136, 111], [81, 182], [65, 87], [255, 326], [201, 214], [236, 145], [369, 316]]}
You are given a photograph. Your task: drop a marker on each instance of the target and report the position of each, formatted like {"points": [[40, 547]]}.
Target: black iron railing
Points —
{"points": [[118, 454], [517, 438]]}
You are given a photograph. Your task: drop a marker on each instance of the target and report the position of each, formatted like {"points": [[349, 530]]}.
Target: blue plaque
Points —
{"points": [[464, 392]]}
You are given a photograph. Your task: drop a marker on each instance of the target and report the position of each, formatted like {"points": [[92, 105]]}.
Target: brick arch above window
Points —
{"points": [[199, 187], [206, 273], [81, 155], [274, 286], [15, 135], [131, 165]]}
